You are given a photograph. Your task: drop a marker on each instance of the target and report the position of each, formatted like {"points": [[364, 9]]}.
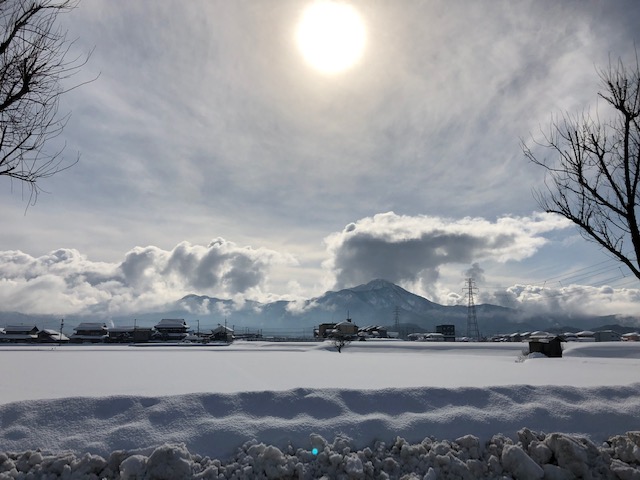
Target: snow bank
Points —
{"points": [[532, 456], [216, 424], [81, 412]]}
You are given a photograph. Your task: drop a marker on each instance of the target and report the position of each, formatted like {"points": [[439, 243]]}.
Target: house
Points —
{"points": [[586, 336], [447, 331], [222, 334], [514, 337], [129, 334], [607, 336], [540, 335], [89, 332], [551, 347], [570, 337], [346, 328], [323, 330], [373, 331], [631, 337], [434, 337], [20, 333], [52, 336], [171, 329]]}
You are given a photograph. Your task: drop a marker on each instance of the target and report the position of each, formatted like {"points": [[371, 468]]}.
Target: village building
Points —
{"points": [[607, 336], [52, 336], [89, 332], [551, 347], [20, 334], [586, 336], [447, 331], [346, 328], [323, 330], [129, 334], [373, 331], [434, 337], [222, 334], [171, 330]]}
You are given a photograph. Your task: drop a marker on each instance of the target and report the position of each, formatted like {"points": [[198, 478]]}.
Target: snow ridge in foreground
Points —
{"points": [[533, 456], [217, 424]]}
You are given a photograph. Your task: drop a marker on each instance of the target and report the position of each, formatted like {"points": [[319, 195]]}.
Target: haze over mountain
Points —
{"points": [[378, 302]]}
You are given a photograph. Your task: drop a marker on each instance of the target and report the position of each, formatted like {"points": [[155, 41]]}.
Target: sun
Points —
{"points": [[331, 36]]}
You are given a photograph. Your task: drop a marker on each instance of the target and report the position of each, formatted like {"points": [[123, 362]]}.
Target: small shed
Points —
{"points": [[551, 347]]}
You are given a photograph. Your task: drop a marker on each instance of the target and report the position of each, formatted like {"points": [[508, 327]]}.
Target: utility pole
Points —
{"points": [[472, 320], [397, 318]]}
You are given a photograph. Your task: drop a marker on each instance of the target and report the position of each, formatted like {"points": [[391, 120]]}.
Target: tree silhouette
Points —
{"points": [[593, 172], [33, 65]]}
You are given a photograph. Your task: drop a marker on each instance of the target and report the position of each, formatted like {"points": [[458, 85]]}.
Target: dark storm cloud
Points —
{"points": [[405, 249], [475, 272]]}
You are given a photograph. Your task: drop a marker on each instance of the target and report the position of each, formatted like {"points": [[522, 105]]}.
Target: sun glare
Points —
{"points": [[331, 36]]}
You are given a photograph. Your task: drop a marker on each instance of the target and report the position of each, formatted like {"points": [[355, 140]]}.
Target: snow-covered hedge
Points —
{"points": [[554, 456]]}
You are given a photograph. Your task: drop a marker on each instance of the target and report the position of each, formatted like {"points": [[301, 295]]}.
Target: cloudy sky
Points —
{"points": [[214, 159]]}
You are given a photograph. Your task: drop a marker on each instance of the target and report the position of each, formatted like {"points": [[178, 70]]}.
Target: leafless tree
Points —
{"points": [[593, 172], [34, 64], [340, 341]]}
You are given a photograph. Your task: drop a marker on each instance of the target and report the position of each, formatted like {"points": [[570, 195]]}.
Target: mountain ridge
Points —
{"points": [[378, 302]]}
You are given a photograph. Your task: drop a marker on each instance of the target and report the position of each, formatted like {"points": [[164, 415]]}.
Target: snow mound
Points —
{"points": [[216, 424], [532, 456]]}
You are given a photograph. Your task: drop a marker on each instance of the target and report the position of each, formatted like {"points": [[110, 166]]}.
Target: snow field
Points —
{"points": [[203, 403]]}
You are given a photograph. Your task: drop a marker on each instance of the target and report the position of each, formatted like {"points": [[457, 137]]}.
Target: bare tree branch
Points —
{"points": [[593, 173], [33, 66]]}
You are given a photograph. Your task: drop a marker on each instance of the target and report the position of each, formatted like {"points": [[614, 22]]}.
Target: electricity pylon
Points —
{"points": [[472, 320]]}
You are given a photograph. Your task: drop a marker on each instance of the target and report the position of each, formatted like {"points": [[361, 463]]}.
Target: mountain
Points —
{"points": [[378, 302]]}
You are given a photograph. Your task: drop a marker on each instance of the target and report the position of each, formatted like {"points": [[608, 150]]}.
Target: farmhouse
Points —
{"points": [[89, 332], [20, 333], [171, 329], [129, 334], [373, 331], [607, 336], [52, 336], [221, 334]]}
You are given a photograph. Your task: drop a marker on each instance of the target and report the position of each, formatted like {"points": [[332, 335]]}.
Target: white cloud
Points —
{"points": [[64, 281], [410, 250], [572, 299]]}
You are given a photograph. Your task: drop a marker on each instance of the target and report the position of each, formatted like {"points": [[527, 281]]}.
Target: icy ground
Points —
{"points": [[258, 409]]}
